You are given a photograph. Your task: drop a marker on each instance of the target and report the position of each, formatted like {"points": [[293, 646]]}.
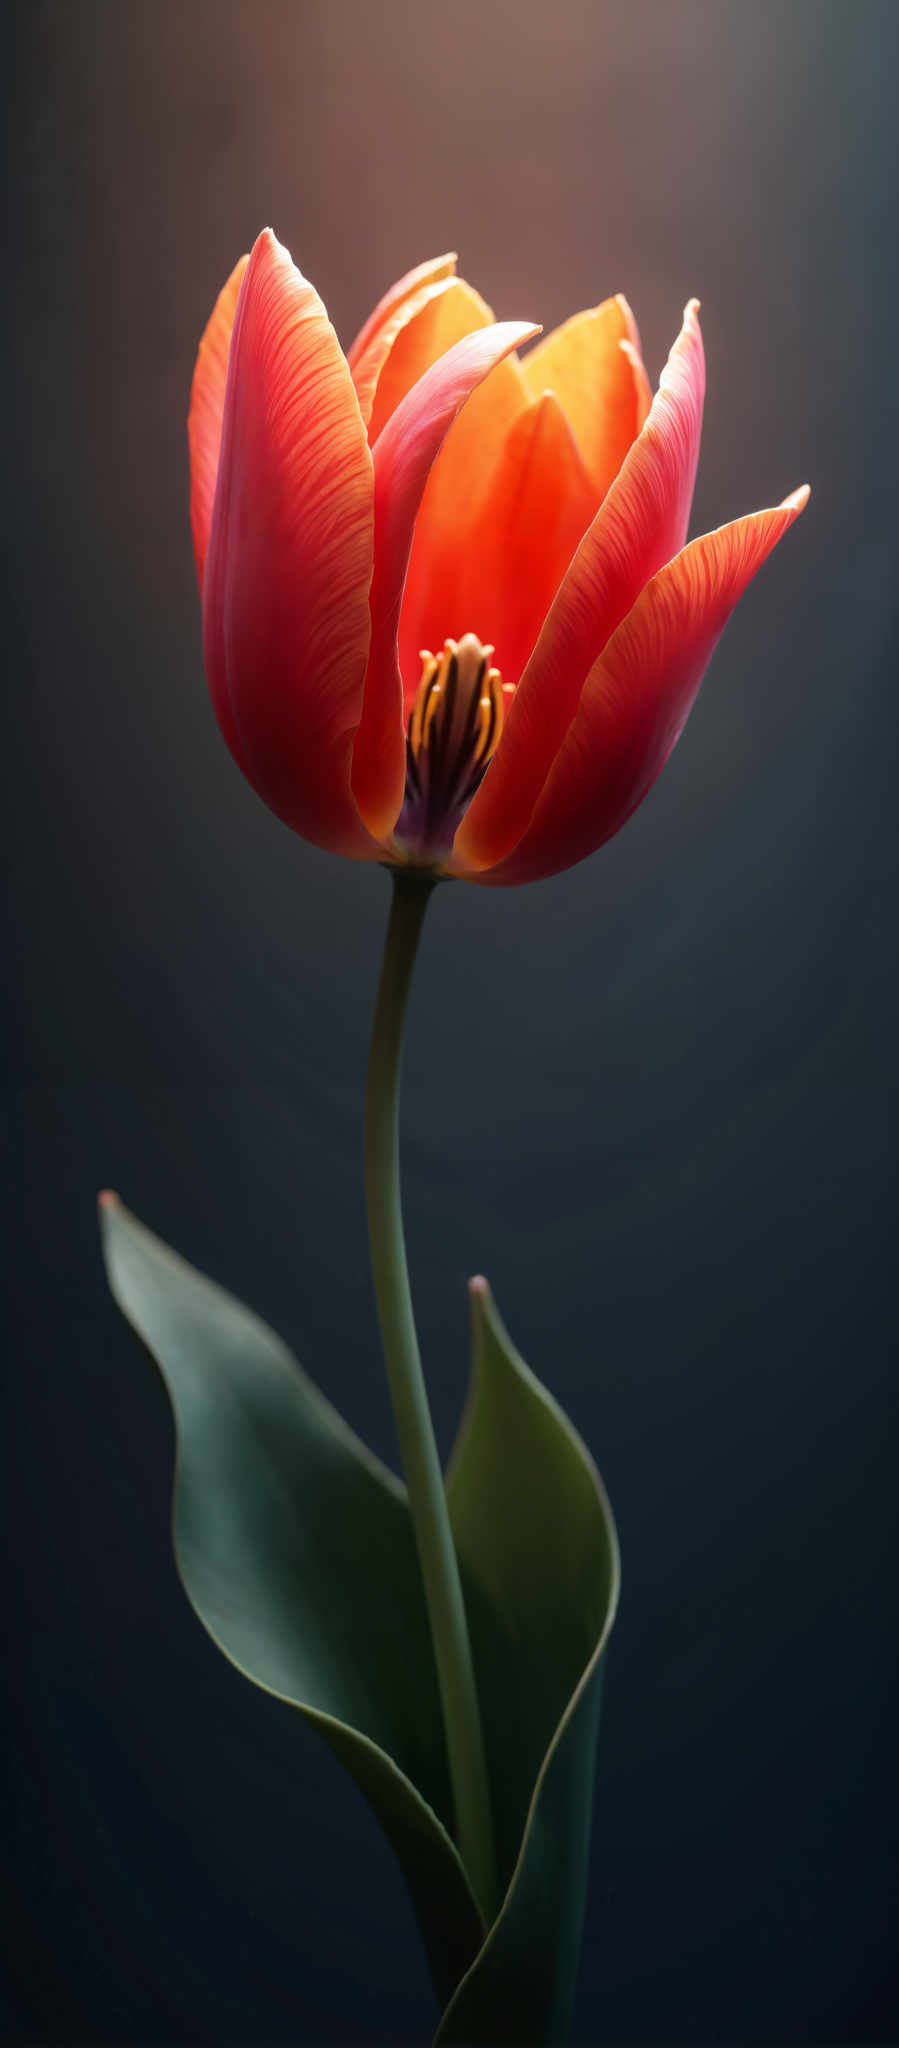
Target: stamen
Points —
{"points": [[453, 732]]}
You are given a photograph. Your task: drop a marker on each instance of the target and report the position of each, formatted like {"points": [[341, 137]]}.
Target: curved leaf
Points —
{"points": [[295, 1547], [539, 1554]]}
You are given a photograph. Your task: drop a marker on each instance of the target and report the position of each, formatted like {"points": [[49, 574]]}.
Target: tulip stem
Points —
{"points": [[418, 1447]]}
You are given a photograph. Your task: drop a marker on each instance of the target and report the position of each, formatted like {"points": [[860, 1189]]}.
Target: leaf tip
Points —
{"points": [[486, 1322], [482, 1307]]}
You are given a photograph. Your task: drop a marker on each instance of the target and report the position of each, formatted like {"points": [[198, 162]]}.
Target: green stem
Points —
{"points": [[418, 1448]]}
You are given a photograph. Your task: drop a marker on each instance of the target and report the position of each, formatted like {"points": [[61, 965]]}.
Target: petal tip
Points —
{"points": [[626, 311], [267, 244], [524, 332], [108, 1199], [797, 500]]}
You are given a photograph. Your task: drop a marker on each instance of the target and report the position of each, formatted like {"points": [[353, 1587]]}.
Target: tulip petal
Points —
{"points": [[520, 538], [204, 419], [427, 273], [286, 621], [456, 491], [403, 456], [367, 367], [641, 524], [600, 385], [638, 696], [450, 311]]}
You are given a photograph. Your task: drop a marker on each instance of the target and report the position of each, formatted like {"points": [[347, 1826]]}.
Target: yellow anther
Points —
{"points": [[429, 671], [429, 709]]}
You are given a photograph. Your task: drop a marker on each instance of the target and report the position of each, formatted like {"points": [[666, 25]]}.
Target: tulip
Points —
{"points": [[449, 619], [450, 624]]}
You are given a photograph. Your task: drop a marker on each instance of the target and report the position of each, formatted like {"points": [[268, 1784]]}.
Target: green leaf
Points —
{"points": [[539, 1556], [295, 1547]]}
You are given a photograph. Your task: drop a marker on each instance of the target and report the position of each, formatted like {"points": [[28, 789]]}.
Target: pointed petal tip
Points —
{"points": [[478, 1287], [627, 314], [267, 242], [517, 332], [450, 258], [634, 349], [797, 500], [108, 1199], [686, 350]]}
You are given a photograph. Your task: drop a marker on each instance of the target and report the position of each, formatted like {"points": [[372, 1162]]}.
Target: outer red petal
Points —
{"points": [[638, 696], [285, 614], [424, 273], [640, 525], [204, 419], [403, 456]]}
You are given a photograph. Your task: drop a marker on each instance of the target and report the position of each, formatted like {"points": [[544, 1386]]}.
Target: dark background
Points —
{"points": [[650, 1098]]}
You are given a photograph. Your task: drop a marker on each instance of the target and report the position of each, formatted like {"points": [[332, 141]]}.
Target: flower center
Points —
{"points": [[453, 732]]}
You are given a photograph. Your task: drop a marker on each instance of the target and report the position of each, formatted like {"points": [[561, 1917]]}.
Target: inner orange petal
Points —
{"points": [[366, 367], [424, 273], [593, 365], [445, 317], [538, 503], [457, 484]]}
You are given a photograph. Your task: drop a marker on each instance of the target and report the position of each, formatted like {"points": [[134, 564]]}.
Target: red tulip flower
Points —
{"points": [[448, 615], [450, 623]]}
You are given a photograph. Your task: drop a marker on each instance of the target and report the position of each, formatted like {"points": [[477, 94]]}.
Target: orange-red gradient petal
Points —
{"points": [[538, 503], [204, 419], [641, 524], [639, 694], [450, 311], [430, 272], [457, 483], [600, 385], [366, 368], [403, 455], [286, 620]]}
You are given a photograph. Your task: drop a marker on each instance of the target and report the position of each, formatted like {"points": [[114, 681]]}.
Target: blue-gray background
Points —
{"points": [[652, 1099]]}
